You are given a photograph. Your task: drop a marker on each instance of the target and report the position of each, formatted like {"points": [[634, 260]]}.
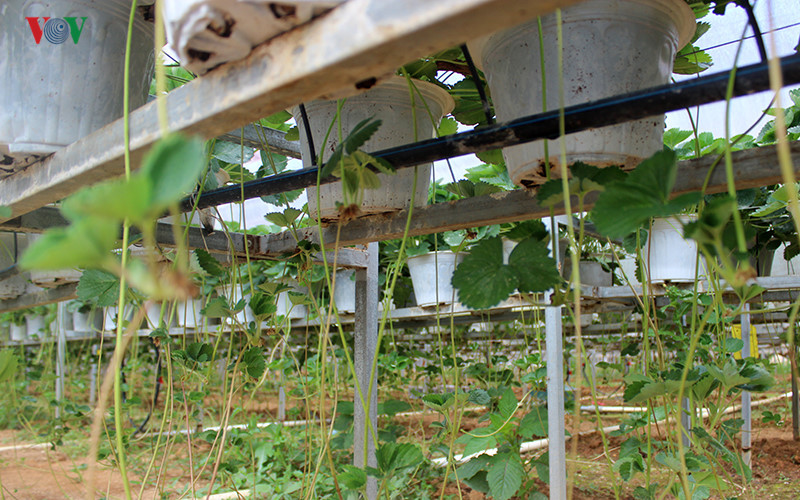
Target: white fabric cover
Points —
{"points": [[207, 33]]}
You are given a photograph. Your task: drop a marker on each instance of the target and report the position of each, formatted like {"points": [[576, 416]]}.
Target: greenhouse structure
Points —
{"points": [[461, 249]]}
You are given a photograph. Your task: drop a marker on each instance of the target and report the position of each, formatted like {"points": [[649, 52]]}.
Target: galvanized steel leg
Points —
{"points": [[555, 403], [366, 342], [61, 354]]}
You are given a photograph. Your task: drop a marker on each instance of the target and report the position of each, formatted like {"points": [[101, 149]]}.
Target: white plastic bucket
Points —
{"points": [[668, 256], [593, 274], [344, 292], [153, 313], [782, 267], [390, 102], [289, 309], [88, 322], [110, 316], [610, 47], [35, 326], [508, 247], [17, 333], [431, 276], [189, 313], [628, 266], [69, 83], [234, 295]]}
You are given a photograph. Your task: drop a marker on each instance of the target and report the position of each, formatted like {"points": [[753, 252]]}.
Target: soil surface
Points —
{"points": [[43, 473]]}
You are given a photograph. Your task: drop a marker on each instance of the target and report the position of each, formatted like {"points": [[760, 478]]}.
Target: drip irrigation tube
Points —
{"points": [[610, 111]]}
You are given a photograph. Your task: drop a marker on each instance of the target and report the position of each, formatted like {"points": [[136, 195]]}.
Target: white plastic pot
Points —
{"points": [[110, 316], [344, 292], [17, 333], [667, 255], [508, 247], [610, 47], [153, 312], [782, 267], [189, 313], [431, 276], [234, 295], [628, 266], [63, 79], [593, 274], [83, 323], [289, 309], [390, 102], [35, 326]]}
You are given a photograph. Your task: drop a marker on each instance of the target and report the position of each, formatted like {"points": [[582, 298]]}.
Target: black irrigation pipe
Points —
{"points": [[610, 111]]}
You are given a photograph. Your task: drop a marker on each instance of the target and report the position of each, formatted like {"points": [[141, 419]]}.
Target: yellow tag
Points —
{"points": [[736, 332]]}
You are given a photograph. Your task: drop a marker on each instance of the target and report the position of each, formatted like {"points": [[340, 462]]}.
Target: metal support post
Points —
{"points": [[795, 396], [366, 343], [746, 413], [281, 389], [61, 354], [93, 376], [555, 403], [554, 345]]}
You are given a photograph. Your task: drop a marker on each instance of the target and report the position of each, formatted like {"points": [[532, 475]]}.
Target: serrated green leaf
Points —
{"points": [[173, 167], [493, 156], [115, 199], [392, 457], [5, 212], [262, 304], [293, 134], [535, 423], [360, 134], [98, 287], [447, 126], [392, 407], [675, 136], [230, 152], [352, 478], [86, 243], [208, 263], [536, 271], [626, 205], [479, 440], [254, 362], [8, 365], [508, 404], [527, 229], [669, 460], [478, 482], [369, 180], [628, 466], [733, 345], [472, 467], [217, 307], [505, 475], [482, 280], [479, 397], [200, 352]]}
